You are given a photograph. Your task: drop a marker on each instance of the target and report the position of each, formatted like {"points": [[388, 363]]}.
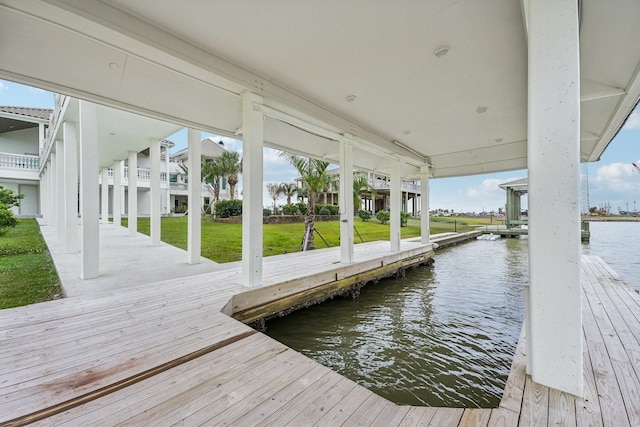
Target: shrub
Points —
{"points": [[7, 200], [383, 216], [333, 209], [404, 216], [290, 209], [266, 212], [207, 208], [227, 208], [364, 215], [302, 208], [324, 211]]}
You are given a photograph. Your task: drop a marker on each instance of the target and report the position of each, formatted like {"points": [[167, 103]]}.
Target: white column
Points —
{"points": [[346, 202], [395, 208], [424, 205], [194, 224], [117, 193], [154, 184], [43, 194], [133, 193], [253, 139], [90, 265], [167, 164], [555, 321], [53, 186], [72, 244], [60, 188], [104, 192]]}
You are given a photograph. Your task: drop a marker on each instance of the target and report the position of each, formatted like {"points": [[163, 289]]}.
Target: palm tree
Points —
{"points": [[361, 185], [289, 189], [231, 165], [314, 176], [274, 190], [212, 172]]}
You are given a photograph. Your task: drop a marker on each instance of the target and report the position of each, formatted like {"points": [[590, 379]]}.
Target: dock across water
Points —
{"points": [[165, 353]]}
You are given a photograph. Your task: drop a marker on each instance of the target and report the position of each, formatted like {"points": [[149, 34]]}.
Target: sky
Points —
{"points": [[612, 180]]}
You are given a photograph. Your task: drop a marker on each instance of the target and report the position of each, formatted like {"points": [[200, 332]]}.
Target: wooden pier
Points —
{"points": [[165, 353]]}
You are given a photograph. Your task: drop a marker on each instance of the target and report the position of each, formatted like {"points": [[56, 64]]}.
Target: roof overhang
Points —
{"points": [[461, 113]]}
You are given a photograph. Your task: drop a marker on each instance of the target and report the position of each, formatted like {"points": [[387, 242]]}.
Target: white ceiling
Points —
{"points": [[188, 62]]}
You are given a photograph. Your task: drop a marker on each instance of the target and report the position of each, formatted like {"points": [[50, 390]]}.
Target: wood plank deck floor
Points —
{"points": [[164, 354]]}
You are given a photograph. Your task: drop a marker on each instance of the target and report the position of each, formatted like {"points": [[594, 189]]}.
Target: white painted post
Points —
{"points": [[253, 139], [346, 202], [395, 208], [167, 168], [90, 265], [104, 192], [53, 185], [117, 193], [154, 184], [424, 205], [555, 340], [194, 204], [132, 190], [72, 244], [60, 188]]}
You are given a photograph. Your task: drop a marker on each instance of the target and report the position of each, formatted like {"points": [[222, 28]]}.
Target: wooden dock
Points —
{"points": [[165, 354]]}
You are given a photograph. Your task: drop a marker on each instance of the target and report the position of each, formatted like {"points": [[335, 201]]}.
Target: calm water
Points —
{"points": [[445, 335], [618, 244]]}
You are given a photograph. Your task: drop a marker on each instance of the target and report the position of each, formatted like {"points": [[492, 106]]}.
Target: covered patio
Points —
{"points": [[414, 90]]}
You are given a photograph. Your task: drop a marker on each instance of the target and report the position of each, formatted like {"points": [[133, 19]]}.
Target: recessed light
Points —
{"points": [[498, 139], [481, 110], [114, 65], [351, 98], [441, 51], [407, 132], [112, 134]]}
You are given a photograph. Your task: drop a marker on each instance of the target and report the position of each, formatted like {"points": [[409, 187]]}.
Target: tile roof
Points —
{"points": [[38, 113]]}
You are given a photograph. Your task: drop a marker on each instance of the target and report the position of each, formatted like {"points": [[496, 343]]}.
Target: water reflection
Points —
{"points": [[442, 336]]}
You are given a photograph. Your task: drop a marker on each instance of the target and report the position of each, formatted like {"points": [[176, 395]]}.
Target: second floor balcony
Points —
{"points": [[19, 166]]}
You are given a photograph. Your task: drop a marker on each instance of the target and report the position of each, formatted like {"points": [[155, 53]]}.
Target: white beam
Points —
{"points": [[167, 168], [346, 202], [90, 265], [104, 192], [53, 186], [132, 190], [395, 207], [194, 203], [154, 183], [424, 205], [253, 139], [117, 192], [554, 317], [72, 244]]}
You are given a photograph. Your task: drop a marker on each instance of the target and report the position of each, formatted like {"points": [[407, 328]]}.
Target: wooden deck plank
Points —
{"points": [[418, 416], [368, 411], [446, 417], [339, 413], [475, 417], [514, 388], [562, 408], [503, 417], [535, 408], [391, 415], [588, 413]]}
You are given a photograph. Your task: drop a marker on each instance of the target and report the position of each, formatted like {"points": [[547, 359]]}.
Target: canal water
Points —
{"points": [[444, 335]]}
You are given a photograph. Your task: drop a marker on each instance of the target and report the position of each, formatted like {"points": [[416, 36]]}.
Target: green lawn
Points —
{"points": [[27, 273], [223, 242]]}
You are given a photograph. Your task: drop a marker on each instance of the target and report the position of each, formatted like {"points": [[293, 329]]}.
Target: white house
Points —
{"points": [[21, 134]]}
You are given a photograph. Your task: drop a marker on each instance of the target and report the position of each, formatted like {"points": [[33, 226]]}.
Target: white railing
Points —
{"points": [[59, 101], [143, 174], [179, 186], [406, 186], [19, 161]]}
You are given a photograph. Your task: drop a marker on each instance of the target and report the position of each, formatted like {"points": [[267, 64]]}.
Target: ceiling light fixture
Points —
{"points": [[351, 98], [441, 51], [481, 110]]}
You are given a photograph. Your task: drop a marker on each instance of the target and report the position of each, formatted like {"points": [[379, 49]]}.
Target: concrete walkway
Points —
{"points": [[125, 261]]}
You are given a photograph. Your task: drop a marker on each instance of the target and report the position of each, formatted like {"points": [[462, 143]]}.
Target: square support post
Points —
{"points": [[104, 193], [424, 205], [117, 193], [69, 135], [90, 212], [132, 189], [554, 316], [346, 202], [154, 184], [395, 208], [60, 188], [167, 168], [253, 140], [194, 225], [53, 186]]}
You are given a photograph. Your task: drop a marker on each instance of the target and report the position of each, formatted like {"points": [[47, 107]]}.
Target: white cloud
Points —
{"points": [[616, 178], [633, 122], [3, 86]]}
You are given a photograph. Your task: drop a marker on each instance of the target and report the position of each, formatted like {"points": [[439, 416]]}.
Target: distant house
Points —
{"points": [[22, 131]]}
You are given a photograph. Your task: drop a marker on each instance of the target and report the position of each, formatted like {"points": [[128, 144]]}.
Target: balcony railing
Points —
{"points": [[19, 161], [143, 174], [406, 186]]}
